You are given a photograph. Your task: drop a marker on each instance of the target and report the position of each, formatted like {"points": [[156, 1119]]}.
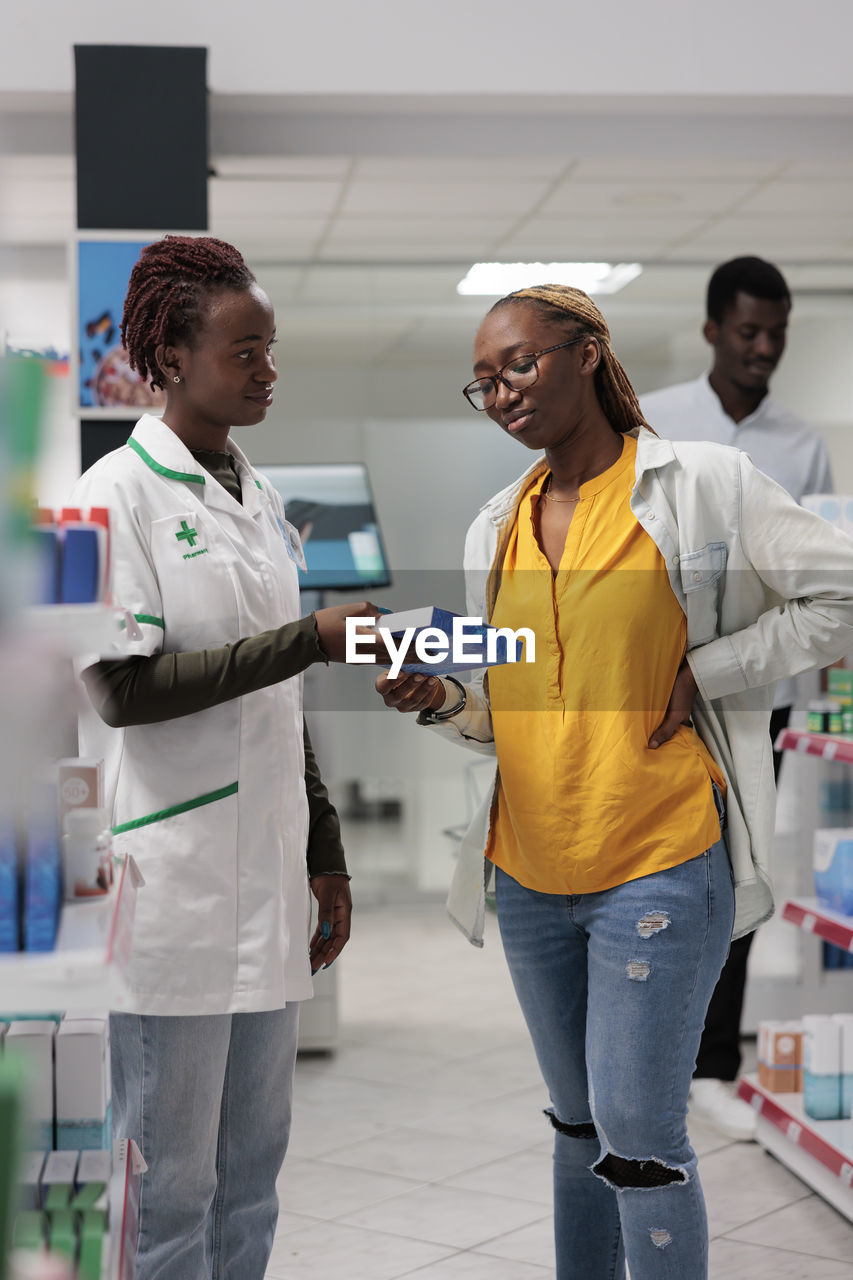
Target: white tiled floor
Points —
{"points": [[418, 1148]]}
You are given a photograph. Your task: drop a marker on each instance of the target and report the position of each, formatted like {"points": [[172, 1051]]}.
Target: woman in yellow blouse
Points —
{"points": [[614, 885]]}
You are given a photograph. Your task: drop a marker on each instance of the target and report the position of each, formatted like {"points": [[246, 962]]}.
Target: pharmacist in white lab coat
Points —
{"points": [[748, 305], [211, 779]]}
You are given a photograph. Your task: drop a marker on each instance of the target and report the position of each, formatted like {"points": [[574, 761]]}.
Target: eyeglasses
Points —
{"points": [[519, 373]]}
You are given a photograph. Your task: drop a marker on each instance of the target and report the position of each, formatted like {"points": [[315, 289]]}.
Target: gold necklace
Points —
{"points": [[547, 496]]}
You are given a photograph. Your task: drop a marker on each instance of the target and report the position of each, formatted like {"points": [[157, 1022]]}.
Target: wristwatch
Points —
{"points": [[436, 717]]}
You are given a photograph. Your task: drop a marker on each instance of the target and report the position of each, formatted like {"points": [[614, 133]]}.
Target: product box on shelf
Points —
{"points": [[42, 871], [32, 1042], [780, 1056], [57, 1180], [71, 555], [833, 868], [845, 1025], [81, 785], [821, 1067], [10, 892], [83, 1112]]}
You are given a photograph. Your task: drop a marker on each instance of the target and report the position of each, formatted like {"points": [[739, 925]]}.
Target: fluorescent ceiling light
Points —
{"points": [[505, 277]]}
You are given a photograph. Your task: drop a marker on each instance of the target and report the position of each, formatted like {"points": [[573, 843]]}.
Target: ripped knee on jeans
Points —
{"points": [[586, 1130], [621, 1173]]}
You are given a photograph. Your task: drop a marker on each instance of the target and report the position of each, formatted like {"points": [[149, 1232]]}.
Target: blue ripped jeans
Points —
{"points": [[614, 987]]}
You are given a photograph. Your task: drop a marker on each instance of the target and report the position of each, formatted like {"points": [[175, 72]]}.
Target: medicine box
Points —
{"points": [[31, 1041], [83, 1112], [29, 1178], [821, 1067], [833, 868], [780, 1056], [58, 1179]]}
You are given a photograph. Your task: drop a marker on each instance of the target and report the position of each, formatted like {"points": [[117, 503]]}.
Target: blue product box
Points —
{"points": [[10, 892], [42, 874], [79, 566], [833, 869], [47, 561], [480, 645]]}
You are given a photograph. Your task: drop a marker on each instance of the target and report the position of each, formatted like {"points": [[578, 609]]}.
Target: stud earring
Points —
{"points": [[176, 378]]}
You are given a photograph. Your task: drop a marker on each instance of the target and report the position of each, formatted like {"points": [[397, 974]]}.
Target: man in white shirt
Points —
{"points": [[748, 305]]}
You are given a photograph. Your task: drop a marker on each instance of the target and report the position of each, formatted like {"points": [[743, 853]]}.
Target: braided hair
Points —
{"points": [[169, 287], [562, 303]]}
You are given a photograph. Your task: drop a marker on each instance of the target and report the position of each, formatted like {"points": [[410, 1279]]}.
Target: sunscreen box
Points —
{"points": [[81, 785]]}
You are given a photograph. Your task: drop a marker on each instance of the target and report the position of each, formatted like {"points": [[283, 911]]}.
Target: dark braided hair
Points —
{"points": [[561, 303], [169, 287]]}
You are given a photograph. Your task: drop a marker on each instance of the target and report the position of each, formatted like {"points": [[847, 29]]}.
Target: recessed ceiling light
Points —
{"points": [[499, 278]]}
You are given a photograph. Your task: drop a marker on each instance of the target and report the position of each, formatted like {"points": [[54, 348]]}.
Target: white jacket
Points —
{"points": [[211, 805], [767, 589]]}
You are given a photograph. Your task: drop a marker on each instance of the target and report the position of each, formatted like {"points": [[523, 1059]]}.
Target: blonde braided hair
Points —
{"points": [[562, 303]]}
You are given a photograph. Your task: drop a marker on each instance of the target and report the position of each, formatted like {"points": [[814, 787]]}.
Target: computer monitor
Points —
{"points": [[332, 507]]}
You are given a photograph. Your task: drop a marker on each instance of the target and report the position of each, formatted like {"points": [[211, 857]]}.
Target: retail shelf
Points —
{"points": [[86, 969], [828, 746], [814, 918], [72, 628], [820, 1152]]}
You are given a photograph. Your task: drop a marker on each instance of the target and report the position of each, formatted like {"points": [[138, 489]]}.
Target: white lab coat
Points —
{"points": [[212, 805]]}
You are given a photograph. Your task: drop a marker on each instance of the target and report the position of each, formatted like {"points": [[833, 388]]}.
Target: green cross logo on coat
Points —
{"points": [[188, 535]]}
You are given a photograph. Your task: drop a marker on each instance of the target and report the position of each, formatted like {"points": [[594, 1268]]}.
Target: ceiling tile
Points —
{"points": [[798, 198], [290, 167], [597, 238], [460, 169], [645, 199], [794, 237], [241, 198], [676, 169], [426, 198]]}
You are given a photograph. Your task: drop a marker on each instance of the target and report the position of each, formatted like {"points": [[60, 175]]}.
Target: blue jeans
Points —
{"points": [[614, 987], [208, 1101]]}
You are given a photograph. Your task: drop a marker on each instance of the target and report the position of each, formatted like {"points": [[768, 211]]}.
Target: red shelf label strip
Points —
{"points": [[798, 1132]]}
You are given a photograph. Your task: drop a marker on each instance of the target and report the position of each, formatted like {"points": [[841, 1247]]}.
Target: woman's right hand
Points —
{"points": [[413, 692], [331, 626]]}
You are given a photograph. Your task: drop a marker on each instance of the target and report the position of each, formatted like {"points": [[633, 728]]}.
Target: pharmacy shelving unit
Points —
{"points": [[812, 988], [827, 746], [820, 1152], [86, 969]]}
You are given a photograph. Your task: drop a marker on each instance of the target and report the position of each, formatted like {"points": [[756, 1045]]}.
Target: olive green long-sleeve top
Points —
{"points": [[147, 690]]}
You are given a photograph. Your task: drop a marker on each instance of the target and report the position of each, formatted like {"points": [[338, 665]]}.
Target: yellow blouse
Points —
{"points": [[584, 804]]}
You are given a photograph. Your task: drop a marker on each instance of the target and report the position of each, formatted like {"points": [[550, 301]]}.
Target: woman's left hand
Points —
{"points": [[334, 910], [680, 706]]}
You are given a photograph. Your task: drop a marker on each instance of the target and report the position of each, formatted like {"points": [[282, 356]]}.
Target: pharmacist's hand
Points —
{"points": [[331, 626], [334, 910], [415, 692], [680, 706]]}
